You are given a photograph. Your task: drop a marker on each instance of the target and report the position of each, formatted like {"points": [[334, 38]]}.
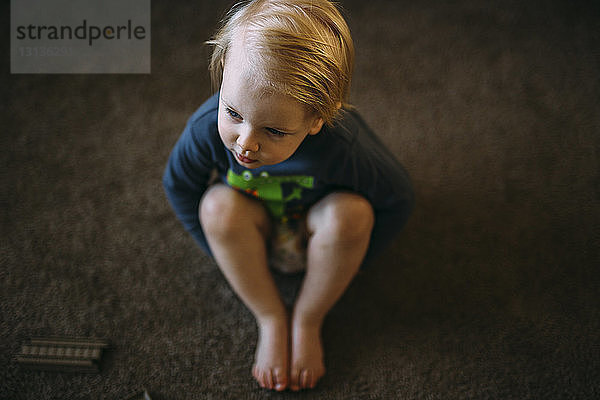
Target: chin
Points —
{"points": [[251, 166]]}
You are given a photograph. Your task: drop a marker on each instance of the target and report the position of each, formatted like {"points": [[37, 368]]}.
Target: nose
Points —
{"points": [[247, 141]]}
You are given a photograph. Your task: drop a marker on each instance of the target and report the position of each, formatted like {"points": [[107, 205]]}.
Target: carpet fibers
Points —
{"points": [[491, 291]]}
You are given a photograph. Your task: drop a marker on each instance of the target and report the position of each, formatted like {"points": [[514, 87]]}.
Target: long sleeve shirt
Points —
{"points": [[346, 156]]}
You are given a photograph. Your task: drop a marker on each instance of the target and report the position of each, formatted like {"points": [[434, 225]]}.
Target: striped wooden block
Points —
{"points": [[70, 354]]}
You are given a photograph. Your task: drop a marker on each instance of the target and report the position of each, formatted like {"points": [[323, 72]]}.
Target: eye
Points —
{"points": [[275, 132], [232, 113]]}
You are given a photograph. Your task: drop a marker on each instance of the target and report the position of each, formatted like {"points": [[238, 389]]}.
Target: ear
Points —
{"points": [[316, 126]]}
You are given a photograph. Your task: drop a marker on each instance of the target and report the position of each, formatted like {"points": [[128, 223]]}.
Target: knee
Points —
{"points": [[225, 213], [219, 210], [345, 216]]}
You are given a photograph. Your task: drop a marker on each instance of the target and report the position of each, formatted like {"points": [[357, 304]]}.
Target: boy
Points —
{"points": [[304, 181]]}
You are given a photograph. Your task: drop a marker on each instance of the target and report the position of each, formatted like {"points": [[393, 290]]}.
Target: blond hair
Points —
{"points": [[301, 48]]}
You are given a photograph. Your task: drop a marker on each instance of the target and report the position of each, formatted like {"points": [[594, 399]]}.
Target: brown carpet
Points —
{"points": [[490, 292]]}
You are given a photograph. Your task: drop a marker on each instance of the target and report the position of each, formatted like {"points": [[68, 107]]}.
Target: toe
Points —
{"points": [[269, 379], [295, 379], [306, 378], [279, 379], [280, 387], [312, 382], [260, 377], [256, 373]]}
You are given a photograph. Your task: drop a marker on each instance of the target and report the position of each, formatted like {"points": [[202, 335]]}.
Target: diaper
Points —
{"points": [[287, 251]]}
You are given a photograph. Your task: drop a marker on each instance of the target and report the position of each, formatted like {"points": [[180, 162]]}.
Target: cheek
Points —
{"points": [[283, 151], [225, 131]]}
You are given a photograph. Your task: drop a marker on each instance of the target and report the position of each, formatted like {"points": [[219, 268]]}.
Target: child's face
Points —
{"points": [[259, 128]]}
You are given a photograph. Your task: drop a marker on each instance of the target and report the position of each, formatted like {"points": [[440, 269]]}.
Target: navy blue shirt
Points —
{"points": [[346, 156]]}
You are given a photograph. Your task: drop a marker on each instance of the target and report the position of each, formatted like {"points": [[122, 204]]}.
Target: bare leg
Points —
{"points": [[236, 229], [339, 227]]}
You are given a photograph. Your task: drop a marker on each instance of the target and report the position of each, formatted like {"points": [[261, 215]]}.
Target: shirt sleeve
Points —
{"points": [[371, 170], [188, 172]]}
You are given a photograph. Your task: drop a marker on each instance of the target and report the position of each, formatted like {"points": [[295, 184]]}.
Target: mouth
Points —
{"points": [[243, 159]]}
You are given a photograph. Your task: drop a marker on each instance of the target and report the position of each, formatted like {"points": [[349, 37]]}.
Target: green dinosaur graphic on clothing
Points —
{"points": [[270, 188]]}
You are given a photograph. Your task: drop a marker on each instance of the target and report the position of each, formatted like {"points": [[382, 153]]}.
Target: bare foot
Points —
{"points": [[307, 356], [271, 360]]}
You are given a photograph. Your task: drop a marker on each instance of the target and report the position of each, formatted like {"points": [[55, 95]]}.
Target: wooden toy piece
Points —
{"points": [[143, 395], [57, 353]]}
